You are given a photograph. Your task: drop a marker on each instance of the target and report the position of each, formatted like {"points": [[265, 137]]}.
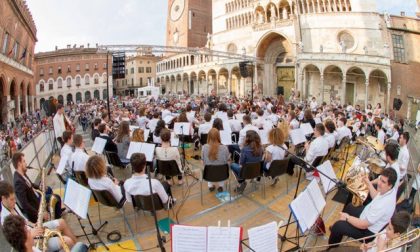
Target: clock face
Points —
{"points": [[177, 9]]}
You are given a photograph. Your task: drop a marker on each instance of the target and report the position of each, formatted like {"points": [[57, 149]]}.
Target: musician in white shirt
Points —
{"points": [[247, 126], [381, 133], [275, 151], [259, 122], [152, 123], [293, 123], [166, 112], [395, 135], [98, 179], [79, 157], [342, 130], [329, 134], [67, 152], [59, 124], [313, 104], [235, 124], [272, 116], [318, 147], [404, 154], [142, 120], [206, 126], [138, 184]]}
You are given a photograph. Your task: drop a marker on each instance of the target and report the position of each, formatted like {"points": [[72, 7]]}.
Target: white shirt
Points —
{"points": [[274, 118], [403, 159], [142, 121], [259, 122], [395, 136], [379, 211], [106, 183], [235, 125], [79, 159], [343, 132], [330, 139], [139, 185], [313, 105], [381, 136], [294, 124], [5, 212], [382, 234], [165, 113], [242, 133], [204, 128], [152, 124], [67, 151], [318, 148], [59, 126], [276, 152]]}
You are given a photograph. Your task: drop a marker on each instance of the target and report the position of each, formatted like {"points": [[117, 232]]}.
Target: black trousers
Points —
{"points": [[343, 228], [167, 188]]}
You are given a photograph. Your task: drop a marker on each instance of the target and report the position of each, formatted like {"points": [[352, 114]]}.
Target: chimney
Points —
{"points": [[88, 45], [68, 46], [402, 13]]}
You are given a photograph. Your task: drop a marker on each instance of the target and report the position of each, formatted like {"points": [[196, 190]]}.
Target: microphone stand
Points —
{"points": [[159, 237], [339, 184]]}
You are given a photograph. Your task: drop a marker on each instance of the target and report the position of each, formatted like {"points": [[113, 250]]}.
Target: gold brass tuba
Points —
{"points": [[42, 243], [355, 184]]}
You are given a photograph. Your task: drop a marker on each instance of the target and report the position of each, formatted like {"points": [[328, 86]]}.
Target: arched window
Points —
{"points": [[68, 81], [96, 79], [41, 86], [87, 80], [50, 85], [104, 77], [77, 81], [60, 83]]}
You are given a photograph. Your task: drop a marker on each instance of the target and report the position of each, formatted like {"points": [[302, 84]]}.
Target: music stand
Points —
{"points": [[183, 130], [77, 198]]}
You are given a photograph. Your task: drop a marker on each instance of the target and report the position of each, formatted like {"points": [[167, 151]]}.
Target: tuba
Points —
{"points": [[355, 184], [42, 242]]}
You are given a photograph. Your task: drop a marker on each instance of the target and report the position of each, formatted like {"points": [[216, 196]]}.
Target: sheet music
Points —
{"points": [[264, 136], [99, 145], [316, 195], [317, 120], [174, 140], [182, 128], [62, 165], [168, 119], [296, 207], [307, 128], [135, 147], [223, 239], [148, 150], [146, 134], [305, 212], [226, 137], [263, 238], [328, 170], [77, 197], [297, 136], [132, 129], [189, 239]]}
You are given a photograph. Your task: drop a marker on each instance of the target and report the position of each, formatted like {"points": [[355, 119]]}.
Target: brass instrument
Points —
{"points": [[376, 165], [42, 243], [402, 240], [355, 184]]}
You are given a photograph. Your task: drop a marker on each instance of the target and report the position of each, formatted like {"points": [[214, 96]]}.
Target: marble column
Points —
{"points": [[229, 84], [343, 90], [301, 84], [17, 106], [322, 87], [388, 97], [366, 94]]}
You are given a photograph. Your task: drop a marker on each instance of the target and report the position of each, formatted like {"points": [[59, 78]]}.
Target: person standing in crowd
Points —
{"points": [[61, 124]]}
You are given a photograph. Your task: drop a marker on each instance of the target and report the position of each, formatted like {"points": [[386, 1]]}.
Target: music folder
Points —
{"points": [[226, 137], [205, 239], [99, 145], [307, 128], [138, 147], [76, 198], [182, 128], [174, 140], [297, 136], [327, 169], [264, 136], [264, 238]]}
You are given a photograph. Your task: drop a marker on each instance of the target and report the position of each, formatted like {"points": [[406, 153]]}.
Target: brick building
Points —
{"points": [[73, 74], [18, 38]]}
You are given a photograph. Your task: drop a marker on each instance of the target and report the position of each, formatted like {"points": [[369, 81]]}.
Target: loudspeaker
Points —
{"points": [[397, 104], [280, 90], [243, 69]]}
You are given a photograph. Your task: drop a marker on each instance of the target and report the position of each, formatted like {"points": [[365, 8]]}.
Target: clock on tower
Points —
{"points": [[188, 23]]}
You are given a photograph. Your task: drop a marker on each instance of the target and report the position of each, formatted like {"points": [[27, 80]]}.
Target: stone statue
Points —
{"points": [[343, 46], [209, 40], [301, 46], [321, 48], [260, 17], [285, 15], [273, 12]]}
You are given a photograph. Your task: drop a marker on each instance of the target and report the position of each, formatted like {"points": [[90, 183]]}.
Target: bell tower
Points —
{"points": [[188, 22]]}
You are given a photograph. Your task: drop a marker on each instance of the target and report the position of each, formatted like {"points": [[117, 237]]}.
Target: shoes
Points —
{"points": [[275, 180], [220, 189], [212, 188], [240, 189]]}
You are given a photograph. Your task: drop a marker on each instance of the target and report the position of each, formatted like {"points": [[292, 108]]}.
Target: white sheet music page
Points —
{"points": [[264, 136], [98, 145], [133, 148], [316, 195], [298, 208], [182, 128], [148, 150], [297, 136], [307, 128], [77, 197], [174, 140], [168, 119], [146, 134], [317, 120], [189, 239], [223, 239], [307, 209], [328, 170], [264, 238], [62, 165], [132, 129], [226, 137]]}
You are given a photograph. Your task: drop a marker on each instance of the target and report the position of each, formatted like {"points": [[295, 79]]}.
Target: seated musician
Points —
{"points": [[394, 133], [25, 190], [138, 135], [367, 220], [380, 132], [206, 126], [342, 130], [274, 151], [166, 152], [252, 152], [308, 118], [22, 238], [98, 179], [293, 122], [247, 126], [317, 148], [142, 120], [214, 153], [104, 134], [95, 131], [153, 122], [397, 226], [260, 121], [67, 152], [138, 184], [8, 202], [329, 134], [156, 134], [123, 140], [79, 157], [404, 154], [235, 124]]}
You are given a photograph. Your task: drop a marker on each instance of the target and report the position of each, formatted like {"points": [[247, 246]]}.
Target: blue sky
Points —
{"points": [[62, 22]]}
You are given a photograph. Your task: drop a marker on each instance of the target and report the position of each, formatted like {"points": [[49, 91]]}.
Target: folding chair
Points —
{"points": [[114, 160], [107, 199], [215, 173], [144, 203], [251, 171], [278, 168]]}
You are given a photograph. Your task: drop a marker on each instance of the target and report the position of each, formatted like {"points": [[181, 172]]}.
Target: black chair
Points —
{"points": [[203, 139], [114, 160], [235, 137], [278, 168], [168, 168], [144, 203], [107, 199], [251, 171], [81, 178], [215, 173]]}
